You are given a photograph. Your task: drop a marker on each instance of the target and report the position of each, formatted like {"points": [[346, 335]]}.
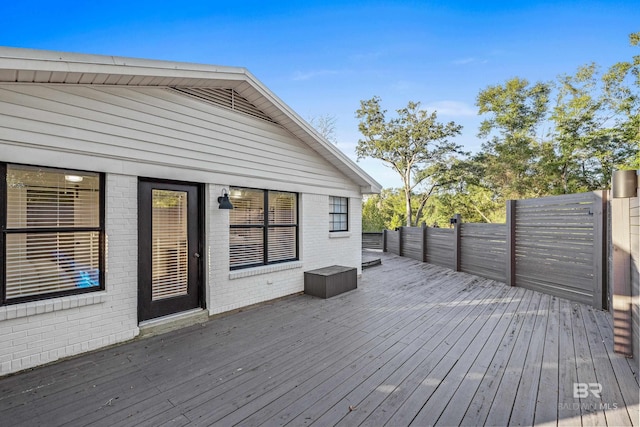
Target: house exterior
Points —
{"points": [[111, 170]]}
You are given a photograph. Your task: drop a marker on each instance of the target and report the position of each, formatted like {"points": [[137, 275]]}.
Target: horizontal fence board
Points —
{"points": [[554, 289], [542, 255], [393, 242], [566, 199], [440, 247], [481, 268], [483, 248], [552, 224], [562, 273], [412, 242], [372, 240], [527, 235], [551, 244], [570, 210]]}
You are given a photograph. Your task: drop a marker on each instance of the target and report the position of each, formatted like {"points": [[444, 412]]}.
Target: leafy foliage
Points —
{"points": [[515, 113], [413, 143], [540, 139]]}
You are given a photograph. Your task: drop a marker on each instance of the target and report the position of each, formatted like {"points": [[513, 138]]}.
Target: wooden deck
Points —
{"points": [[415, 344]]}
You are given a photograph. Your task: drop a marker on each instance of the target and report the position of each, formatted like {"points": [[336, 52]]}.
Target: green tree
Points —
{"points": [[372, 217], [576, 134], [513, 114], [596, 126], [412, 143], [383, 211], [475, 204], [622, 97]]}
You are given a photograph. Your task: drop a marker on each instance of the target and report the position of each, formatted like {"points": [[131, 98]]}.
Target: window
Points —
{"points": [[52, 232], [338, 213], [259, 239]]}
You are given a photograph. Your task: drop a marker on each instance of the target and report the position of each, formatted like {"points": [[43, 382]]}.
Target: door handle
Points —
{"points": [[197, 255]]}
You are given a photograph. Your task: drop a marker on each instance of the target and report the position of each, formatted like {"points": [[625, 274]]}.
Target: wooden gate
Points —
{"points": [[559, 246]]}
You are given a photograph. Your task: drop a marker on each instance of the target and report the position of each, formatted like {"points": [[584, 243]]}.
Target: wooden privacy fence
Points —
{"points": [[553, 244], [372, 240]]}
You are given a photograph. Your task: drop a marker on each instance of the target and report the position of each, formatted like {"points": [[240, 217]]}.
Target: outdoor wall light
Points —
{"points": [[73, 178], [223, 201]]}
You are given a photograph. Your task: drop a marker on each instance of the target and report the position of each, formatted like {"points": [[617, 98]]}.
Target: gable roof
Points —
{"points": [[40, 66]]}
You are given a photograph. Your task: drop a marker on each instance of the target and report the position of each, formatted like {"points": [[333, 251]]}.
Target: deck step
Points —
{"points": [[172, 322], [371, 262]]}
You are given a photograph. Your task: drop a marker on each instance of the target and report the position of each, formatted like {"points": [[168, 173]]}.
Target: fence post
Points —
{"points": [[400, 241], [384, 240], [510, 276], [457, 252], [621, 272], [424, 242], [599, 248]]}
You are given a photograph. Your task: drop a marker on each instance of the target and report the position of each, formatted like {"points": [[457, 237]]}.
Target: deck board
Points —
{"points": [[463, 396], [480, 405], [414, 344], [546, 410]]}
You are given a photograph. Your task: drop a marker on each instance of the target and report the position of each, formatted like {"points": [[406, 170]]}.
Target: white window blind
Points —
{"points": [[282, 208], [246, 246], [248, 207], [169, 244], [52, 235], [282, 243], [246, 237], [256, 240]]}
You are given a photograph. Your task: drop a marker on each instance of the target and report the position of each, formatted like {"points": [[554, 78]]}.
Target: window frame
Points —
{"points": [[5, 231], [265, 229], [332, 213]]}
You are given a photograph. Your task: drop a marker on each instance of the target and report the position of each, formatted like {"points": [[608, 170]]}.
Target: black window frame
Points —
{"points": [[4, 232], [266, 226], [332, 214]]}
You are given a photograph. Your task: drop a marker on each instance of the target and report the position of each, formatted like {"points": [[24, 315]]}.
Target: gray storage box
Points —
{"points": [[330, 281]]}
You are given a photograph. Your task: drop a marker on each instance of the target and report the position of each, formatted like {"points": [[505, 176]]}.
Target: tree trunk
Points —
{"points": [[407, 199]]}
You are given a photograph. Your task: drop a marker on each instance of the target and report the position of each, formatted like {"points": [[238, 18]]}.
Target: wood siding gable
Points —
{"points": [[142, 130]]}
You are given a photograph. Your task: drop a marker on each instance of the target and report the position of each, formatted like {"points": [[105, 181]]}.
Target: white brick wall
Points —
{"points": [[318, 248], [39, 332]]}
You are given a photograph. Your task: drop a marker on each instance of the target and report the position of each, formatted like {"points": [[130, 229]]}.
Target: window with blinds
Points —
{"points": [[338, 213], [259, 239], [52, 232], [169, 245]]}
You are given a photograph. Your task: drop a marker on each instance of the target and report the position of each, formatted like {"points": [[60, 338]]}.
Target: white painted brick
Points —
{"points": [[316, 250], [38, 332], [66, 326]]}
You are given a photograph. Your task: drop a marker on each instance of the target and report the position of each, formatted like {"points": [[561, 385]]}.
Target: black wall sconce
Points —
{"points": [[453, 221], [223, 201]]}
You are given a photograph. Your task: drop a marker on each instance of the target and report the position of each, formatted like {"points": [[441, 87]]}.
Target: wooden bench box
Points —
{"points": [[330, 281]]}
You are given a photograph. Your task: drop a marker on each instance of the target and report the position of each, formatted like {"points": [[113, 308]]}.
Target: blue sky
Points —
{"points": [[323, 57]]}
